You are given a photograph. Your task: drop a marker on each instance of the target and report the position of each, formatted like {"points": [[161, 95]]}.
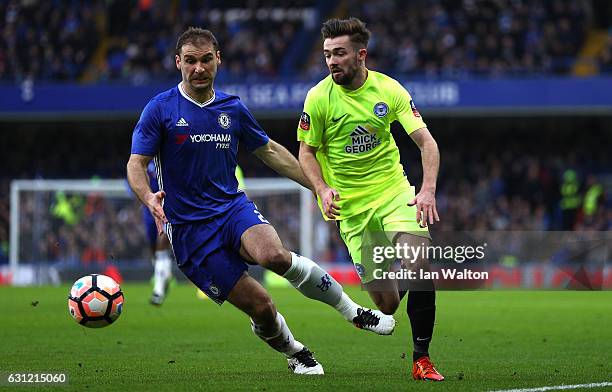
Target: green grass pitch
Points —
{"points": [[484, 340]]}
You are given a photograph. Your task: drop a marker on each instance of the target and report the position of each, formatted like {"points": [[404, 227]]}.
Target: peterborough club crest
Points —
{"points": [[360, 269], [381, 109]]}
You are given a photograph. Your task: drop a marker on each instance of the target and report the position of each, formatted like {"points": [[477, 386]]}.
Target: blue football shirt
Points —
{"points": [[194, 146]]}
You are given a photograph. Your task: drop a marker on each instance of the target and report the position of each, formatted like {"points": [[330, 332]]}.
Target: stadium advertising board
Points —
{"points": [[465, 96]]}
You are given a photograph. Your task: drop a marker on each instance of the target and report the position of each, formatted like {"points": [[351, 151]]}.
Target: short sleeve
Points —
{"points": [[312, 123], [251, 133], [147, 133], [405, 110]]}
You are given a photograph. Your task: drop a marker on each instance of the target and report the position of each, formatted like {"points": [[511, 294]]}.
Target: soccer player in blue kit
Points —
{"points": [[192, 133]]}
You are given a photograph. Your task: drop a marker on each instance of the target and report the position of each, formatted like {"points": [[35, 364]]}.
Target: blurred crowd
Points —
{"points": [[254, 36], [555, 184], [493, 38], [135, 40], [497, 180], [121, 40], [604, 59], [80, 228], [48, 40]]}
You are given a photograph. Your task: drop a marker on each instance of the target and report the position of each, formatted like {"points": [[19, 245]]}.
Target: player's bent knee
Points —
{"points": [[275, 259], [264, 311]]}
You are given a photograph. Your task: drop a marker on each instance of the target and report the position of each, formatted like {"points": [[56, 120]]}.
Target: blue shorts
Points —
{"points": [[150, 226], [208, 251]]}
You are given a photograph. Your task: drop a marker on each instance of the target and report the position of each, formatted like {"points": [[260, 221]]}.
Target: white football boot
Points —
{"points": [[303, 362], [375, 321]]}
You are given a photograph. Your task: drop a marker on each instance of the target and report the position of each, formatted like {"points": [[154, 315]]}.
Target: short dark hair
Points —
{"points": [[353, 27], [193, 35]]}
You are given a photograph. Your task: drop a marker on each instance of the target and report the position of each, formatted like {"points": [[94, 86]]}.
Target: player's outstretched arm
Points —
{"points": [[139, 182], [312, 170], [283, 162], [425, 200]]}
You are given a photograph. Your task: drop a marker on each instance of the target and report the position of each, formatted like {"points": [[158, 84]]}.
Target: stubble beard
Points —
{"points": [[346, 77]]}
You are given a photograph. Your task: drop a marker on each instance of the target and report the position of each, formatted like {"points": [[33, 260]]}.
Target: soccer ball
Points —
{"points": [[95, 301]]}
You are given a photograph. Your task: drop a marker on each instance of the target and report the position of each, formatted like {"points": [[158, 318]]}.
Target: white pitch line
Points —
{"points": [[559, 387]]}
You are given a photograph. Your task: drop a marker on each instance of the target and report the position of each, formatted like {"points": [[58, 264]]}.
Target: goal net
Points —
{"points": [[90, 223]]}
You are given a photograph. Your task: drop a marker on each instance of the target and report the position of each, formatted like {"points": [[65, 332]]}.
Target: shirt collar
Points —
{"points": [[187, 97]]}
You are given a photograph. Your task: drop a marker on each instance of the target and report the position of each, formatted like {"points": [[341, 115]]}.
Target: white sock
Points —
{"points": [[312, 281], [279, 337], [347, 307], [163, 271]]}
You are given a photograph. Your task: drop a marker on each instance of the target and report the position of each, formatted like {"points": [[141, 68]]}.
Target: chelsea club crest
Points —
{"points": [[214, 290], [224, 120], [381, 109]]}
